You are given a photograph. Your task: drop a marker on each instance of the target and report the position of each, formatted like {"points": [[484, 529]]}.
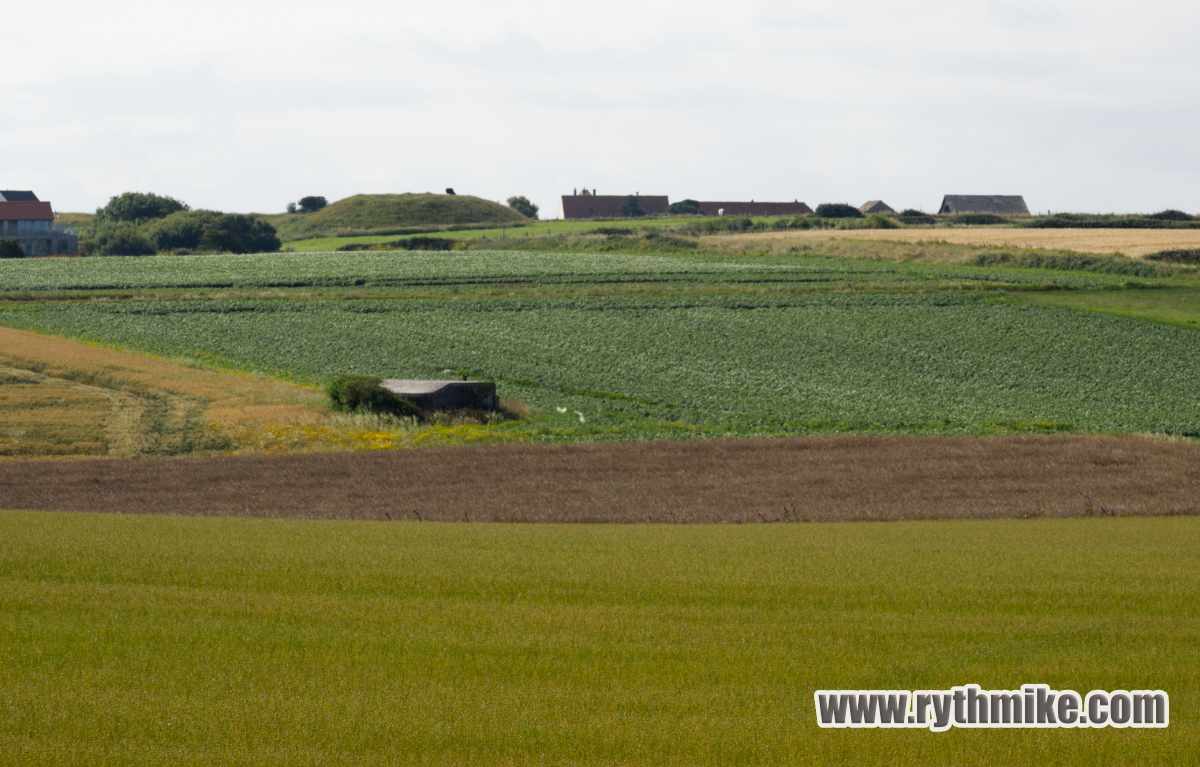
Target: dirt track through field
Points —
{"points": [[824, 478]]}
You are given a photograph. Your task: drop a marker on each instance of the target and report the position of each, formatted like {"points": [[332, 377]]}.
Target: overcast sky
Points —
{"points": [[245, 106]]}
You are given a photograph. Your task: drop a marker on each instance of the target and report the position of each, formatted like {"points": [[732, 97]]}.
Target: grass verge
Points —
{"points": [[1174, 307], [141, 640]]}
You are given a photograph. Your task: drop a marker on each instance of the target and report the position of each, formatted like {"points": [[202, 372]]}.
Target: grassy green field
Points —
{"points": [[143, 640], [1175, 307]]}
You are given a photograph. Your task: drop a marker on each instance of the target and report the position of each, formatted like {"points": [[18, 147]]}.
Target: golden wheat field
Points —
{"points": [[1130, 242]]}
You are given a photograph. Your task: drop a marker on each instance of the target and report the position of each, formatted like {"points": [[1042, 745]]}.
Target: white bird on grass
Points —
{"points": [[561, 409], [581, 418]]}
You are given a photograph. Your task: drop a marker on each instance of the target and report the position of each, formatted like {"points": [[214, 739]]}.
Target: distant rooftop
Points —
{"points": [[9, 195]]}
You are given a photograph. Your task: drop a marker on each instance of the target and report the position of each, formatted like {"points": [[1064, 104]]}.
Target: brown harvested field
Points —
{"points": [[825, 478], [1130, 242]]}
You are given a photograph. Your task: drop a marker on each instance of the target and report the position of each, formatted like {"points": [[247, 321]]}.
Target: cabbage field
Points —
{"points": [[399, 269], [642, 366]]}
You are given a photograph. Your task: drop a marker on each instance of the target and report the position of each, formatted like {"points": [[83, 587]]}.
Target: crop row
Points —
{"points": [[919, 363], [484, 267]]}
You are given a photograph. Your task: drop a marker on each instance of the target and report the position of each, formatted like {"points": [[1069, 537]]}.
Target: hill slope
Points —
{"points": [[368, 212]]}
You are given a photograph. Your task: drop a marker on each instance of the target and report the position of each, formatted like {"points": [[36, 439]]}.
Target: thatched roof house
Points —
{"points": [[875, 206], [1001, 205]]}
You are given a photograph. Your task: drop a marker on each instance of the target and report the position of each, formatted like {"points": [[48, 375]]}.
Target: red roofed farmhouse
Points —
{"points": [[585, 204], [753, 208], [29, 221]]}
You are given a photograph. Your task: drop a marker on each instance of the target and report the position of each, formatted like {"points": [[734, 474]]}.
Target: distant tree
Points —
{"points": [[10, 249], [312, 204], [837, 210], [684, 208], [115, 239], [139, 206], [220, 241], [291, 207], [449, 190], [185, 230], [630, 208], [523, 206]]}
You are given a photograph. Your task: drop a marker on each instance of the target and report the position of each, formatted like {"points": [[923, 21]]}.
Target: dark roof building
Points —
{"points": [[587, 204], [1002, 205], [30, 222], [875, 206], [8, 195], [753, 208]]}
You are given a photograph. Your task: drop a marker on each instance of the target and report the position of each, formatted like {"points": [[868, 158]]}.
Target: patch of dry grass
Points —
{"points": [[60, 397], [1129, 242]]}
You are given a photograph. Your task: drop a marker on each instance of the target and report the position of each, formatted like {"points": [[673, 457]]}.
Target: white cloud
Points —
{"points": [[245, 106]]}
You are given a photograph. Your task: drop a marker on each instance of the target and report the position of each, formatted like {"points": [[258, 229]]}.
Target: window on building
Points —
{"points": [[24, 228], [4, 228], [41, 247]]}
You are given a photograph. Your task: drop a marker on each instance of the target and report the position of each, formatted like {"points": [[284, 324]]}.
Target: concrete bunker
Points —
{"points": [[445, 395]]}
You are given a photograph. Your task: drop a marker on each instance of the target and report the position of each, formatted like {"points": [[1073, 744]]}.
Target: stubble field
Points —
{"points": [[1129, 242]]}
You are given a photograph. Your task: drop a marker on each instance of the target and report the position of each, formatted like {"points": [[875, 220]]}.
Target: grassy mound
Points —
{"points": [[365, 213]]}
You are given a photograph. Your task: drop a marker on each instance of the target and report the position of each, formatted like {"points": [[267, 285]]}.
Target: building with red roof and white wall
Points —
{"points": [[29, 221]]}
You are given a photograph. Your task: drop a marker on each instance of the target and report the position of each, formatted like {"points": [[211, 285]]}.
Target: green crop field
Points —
{"points": [[151, 640], [748, 348], [517, 269]]}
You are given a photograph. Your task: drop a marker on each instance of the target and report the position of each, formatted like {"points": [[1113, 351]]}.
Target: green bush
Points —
{"points": [[1191, 256], [1171, 215], [427, 243], [877, 221], [363, 394], [719, 224], [220, 241], [187, 228], [912, 216], [1070, 263], [10, 249], [1164, 220], [312, 204], [837, 210], [684, 208], [523, 206], [120, 239], [978, 219], [412, 243], [139, 206]]}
